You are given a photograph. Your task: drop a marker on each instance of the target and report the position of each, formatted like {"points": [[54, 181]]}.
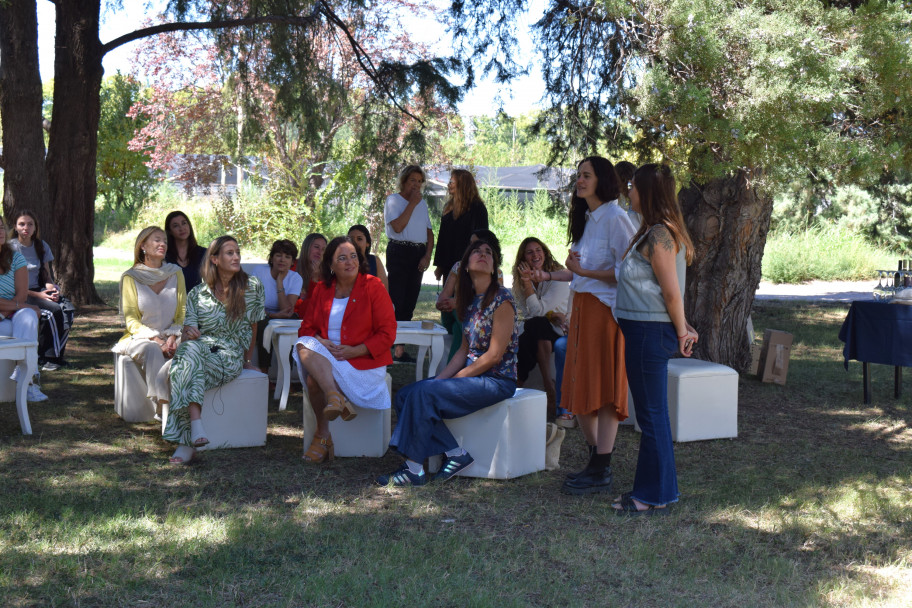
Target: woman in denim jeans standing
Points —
{"points": [[650, 311]]}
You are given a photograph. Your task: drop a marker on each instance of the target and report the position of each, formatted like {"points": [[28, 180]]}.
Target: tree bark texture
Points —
{"points": [[728, 222], [25, 183], [73, 146]]}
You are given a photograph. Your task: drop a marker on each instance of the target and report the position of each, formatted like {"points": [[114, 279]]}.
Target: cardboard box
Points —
{"points": [[774, 357], [756, 351]]}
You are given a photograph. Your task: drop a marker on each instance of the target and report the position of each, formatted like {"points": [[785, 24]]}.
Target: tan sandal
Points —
{"points": [[336, 406], [321, 450]]}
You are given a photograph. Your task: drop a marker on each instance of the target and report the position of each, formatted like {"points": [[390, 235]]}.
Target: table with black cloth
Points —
{"points": [[878, 332]]}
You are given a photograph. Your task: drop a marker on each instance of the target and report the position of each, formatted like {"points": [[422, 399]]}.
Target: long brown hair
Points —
{"points": [[235, 304], [606, 189], [6, 252], [655, 187], [37, 243], [465, 196], [465, 290], [550, 264], [305, 268]]}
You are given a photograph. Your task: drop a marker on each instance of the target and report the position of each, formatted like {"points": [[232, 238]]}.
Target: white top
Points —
{"points": [[334, 326], [606, 237], [416, 229], [292, 283], [549, 296]]}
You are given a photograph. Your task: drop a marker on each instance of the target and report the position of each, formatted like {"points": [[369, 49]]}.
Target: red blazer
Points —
{"points": [[368, 319]]}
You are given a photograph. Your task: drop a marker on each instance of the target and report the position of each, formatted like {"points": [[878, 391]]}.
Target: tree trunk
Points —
{"points": [[73, 146], [25, 184], [728, 221]]}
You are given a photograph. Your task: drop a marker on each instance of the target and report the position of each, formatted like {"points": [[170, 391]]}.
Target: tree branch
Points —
{"points": [[206, 25]]}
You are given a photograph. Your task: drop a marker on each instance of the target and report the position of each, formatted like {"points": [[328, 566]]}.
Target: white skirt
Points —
{"points": [[363, 387]]}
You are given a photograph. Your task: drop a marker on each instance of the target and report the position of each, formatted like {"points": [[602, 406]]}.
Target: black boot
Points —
{"points": [[596, 477], [576, 474]]}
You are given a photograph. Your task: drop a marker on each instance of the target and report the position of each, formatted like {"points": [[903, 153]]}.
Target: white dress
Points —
{"points": [[364, 387]]}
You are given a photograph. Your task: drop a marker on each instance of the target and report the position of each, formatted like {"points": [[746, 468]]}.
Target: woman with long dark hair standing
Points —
{"points": [[595, 383], [650, 311]]}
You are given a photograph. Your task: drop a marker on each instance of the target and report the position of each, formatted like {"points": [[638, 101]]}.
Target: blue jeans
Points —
{"points": [[422, 407], [560, 355], [649, 346]]}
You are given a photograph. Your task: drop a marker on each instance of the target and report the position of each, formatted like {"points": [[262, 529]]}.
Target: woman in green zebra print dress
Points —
{"points": [[217, 342]]}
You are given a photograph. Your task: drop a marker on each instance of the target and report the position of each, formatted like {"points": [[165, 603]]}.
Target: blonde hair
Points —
{"points": [[139, 256], [235, 304]]}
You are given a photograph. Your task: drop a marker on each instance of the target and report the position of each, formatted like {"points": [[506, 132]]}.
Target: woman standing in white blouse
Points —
{"points": [[152, 301], [595, 379], [543, 305]]}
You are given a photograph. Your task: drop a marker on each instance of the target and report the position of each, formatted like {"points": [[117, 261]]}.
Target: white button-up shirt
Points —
{"points": [[416, 229], [606, 237]]}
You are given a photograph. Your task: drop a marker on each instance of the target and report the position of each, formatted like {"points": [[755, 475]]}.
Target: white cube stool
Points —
{"points": [[130, 401], [234, 414], [367, 435], [702, 400], [7, 386], [507, 439]]}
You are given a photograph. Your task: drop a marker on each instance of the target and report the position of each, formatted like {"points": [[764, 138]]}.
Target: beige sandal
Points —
{"points": [[321, 450]]}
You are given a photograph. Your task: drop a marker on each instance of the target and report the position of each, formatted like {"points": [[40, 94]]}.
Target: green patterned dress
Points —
{"points": [[215, 358]]}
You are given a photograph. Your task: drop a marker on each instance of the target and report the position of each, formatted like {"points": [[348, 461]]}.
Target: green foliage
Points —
{"points": [[498, 141], [824, 252], [124, 180]]}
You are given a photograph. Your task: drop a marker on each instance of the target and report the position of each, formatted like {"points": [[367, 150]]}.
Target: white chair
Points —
{"points": [[18, 352], [234, 414], [367, 435], [507, 439], [130, 401]]}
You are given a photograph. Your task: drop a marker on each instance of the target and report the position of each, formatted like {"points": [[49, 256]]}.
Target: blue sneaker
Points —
{"points": [[402, 477], [453, 465]]}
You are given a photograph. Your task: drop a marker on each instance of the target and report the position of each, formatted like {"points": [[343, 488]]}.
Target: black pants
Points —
{"points": [[534, 329], [54, 323], [404, 277]]}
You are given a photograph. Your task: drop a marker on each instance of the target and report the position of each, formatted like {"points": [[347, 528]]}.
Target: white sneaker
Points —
{"points": [[34, 394]]}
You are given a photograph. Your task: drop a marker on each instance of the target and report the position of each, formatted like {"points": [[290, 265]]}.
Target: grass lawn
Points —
{"points": [[811, 505]]}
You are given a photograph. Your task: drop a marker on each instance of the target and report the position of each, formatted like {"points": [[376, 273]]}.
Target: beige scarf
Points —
{"points": [[145, 275]]}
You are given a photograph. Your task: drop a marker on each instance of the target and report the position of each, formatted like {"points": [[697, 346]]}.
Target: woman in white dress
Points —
{"points": [[152, 302], [347, 330]]}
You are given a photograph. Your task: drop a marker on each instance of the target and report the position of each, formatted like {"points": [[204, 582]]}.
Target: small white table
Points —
{"points": [[281, 334], [410, 332], [21, 352]]}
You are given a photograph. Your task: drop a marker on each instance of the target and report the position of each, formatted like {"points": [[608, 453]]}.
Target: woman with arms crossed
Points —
{"points": [[650, 310]]}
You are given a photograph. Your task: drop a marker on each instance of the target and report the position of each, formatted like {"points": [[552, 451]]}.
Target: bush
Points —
{"points": [[825, 252]]}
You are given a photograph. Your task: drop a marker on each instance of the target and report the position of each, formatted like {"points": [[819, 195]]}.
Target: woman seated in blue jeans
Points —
{"points": [[482, 373]]}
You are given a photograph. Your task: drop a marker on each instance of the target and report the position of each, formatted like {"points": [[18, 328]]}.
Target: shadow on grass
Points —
{"points": [[808, 506]]}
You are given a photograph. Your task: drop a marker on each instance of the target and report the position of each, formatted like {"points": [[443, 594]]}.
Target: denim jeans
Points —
{"points": [[560, 355], [422, 407], [649, 346]]}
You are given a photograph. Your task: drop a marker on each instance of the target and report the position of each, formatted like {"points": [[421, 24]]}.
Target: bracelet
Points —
{"points": [[549, 275], [683, 336]]}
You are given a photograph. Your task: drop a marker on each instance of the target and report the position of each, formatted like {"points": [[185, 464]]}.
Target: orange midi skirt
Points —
{"points": [[594, 373]]}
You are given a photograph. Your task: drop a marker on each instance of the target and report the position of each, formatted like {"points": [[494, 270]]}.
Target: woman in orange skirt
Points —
{"points": [[595, 381]]}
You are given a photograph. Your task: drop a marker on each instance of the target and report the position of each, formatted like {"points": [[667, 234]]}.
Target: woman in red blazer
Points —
{"points": [[347, 331]]}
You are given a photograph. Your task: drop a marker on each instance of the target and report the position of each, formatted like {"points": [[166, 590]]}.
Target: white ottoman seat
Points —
{"points": [[367, 435], [702, 400], [130, 401], [234, 414], [507, 439]]}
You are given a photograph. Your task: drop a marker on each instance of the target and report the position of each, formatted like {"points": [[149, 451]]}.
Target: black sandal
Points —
{"points": [[626, 506]]}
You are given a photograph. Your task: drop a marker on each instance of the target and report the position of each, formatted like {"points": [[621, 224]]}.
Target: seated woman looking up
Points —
{"points": [[346, 334], [55, 316], [17, 318], [482, 373], [281, 288], [543, 305], [361, 237], [183, 249], [217, 342], [152, 302]]}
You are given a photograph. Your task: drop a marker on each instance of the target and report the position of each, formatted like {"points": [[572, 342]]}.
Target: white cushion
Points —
{"points": [[130, 401], [367, 435], [507, 439], [702, 400]]}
